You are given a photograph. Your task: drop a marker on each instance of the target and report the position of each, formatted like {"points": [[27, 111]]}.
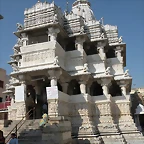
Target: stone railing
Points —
{"points": [[42, 54], [96, 64], [75, 60]]}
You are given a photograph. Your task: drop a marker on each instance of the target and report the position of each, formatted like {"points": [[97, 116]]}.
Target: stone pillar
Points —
{"points": [[52, 33], [64, 87], [100, 48], [54, 75], [105, 83], [24, 39], [83, 83], [89, 86], [118, 53], [83, 87], [37, 91], [79, 43], [123, 85], [64, 79], [21, 104]]}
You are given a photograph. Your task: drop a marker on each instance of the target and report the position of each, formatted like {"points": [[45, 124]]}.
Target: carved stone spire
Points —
{"points": [[82, 8]]}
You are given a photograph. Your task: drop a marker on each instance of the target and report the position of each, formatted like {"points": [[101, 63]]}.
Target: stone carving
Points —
{"points": [[102, 36], [7, 86], [126, 74], [56, 61], [19, 27], [107, 71], [85, 68], [120, 39], [16, 51], [82, 30], [55, 19], [15, 67]]}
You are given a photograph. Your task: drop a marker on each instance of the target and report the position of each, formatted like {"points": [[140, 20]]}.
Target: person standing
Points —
{"points": [[14, 139]]}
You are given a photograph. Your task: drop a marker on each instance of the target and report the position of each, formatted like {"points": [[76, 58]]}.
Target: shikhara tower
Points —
{"points": [[81, 63]]}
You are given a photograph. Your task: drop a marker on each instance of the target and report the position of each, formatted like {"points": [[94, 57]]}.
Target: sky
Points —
{"points": [[128, 15]]}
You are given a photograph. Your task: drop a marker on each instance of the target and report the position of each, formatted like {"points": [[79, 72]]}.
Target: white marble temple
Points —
{"points": [[80, 62]]}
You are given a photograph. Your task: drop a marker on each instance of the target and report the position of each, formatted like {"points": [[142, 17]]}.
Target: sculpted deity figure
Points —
{"points": [[56, 61], [126, 74], [7, 86], [120, 39], [19, 27], [102, 36], [16, 51], [107, 71], [82, 30], [85, 68], [14, 67], [55, 19]]}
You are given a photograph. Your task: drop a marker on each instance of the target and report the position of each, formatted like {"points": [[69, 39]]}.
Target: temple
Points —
{"points": [[75, 63]]}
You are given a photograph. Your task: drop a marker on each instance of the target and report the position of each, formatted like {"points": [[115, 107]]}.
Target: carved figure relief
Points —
{"points": [[126, 74], [56, 61], [55, 19], [107, 71], [82, 30], [19, 27], [14, 67], [102, 36], [120, 39], [85, 68]]}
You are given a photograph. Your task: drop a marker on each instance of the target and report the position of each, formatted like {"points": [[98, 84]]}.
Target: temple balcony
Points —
{"points": [[75, 61], [42, 56], [96, 65]]}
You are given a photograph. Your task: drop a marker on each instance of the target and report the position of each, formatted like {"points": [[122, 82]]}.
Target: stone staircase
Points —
{"points": [[29, 132]]}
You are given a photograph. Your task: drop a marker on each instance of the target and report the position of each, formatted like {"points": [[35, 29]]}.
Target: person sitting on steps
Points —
{"points": [[14, 139]]}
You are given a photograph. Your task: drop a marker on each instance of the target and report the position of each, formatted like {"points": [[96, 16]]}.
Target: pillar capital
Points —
{"points": [[54, 75], [101, 44], [52, 32], [123, 83], [84, 78], [79, 42], [22, 79], [104, 82]]}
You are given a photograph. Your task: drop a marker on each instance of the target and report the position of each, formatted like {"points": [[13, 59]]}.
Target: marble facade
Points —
{"points": [[83, 61]]}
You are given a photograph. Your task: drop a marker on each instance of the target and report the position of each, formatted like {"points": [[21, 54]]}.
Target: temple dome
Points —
{"points": [[82, 8]]}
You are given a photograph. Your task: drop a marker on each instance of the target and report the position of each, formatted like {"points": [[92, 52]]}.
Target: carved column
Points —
{"points": [[54, 76], [64, 87], [21, 104], [123, 85], [24, 39], [52, 33], [105, 83], [83, 83], [79, 43], [64, 83], [100, 48], [23, 83], [118, 52]]}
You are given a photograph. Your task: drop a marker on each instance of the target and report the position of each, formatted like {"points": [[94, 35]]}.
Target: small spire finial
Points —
{"points": [[102, 20], [67, 6]]}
